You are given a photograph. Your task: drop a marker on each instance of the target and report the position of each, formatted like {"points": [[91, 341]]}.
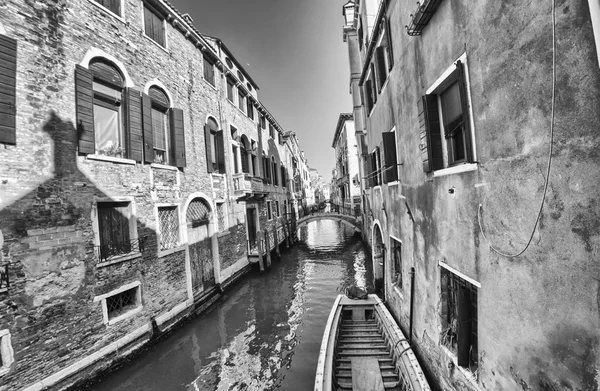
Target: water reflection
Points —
{"points": [[266, 332]]}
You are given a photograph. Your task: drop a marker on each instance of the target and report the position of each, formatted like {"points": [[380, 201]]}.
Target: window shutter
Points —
{"points": [[373, 84], [389, 155], [390, 50], [381, 69], [369, 93], [147, 129], [368, 171], [462, 85], [207, 143], [221, 152], [177, 137], [84, 108], [431, 141], [259, 161], [8, 89], [134, 125]]}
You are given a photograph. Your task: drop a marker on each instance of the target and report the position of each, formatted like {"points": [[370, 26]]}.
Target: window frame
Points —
{"points": [[133, 230], [396, 264], [207, 63], [156, 13], [223, 206], [180, 245], [165, 110], [138, 308], [278, 212], [232, 80], [242, 96], [109, 11], [7, 353], [269, 211], [442, 83]]}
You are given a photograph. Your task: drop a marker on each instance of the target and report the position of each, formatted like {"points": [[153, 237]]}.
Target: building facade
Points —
{"points": [[140, 176], [477, 129], [347, 176]]}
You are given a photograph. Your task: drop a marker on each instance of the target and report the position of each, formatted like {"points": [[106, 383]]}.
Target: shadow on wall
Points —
{"points": [[49, 246]]}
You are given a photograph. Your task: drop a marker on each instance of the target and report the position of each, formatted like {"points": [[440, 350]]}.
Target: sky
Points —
{"points": [[294, 51]]}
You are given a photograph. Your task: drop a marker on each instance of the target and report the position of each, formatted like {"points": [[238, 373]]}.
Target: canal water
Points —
{"points": [[265, 333]]}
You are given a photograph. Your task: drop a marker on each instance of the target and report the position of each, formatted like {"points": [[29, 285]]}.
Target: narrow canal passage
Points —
{"points": [[265, 333]]}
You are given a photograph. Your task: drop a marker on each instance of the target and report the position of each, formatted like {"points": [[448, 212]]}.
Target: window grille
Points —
{"points": [[169, 227], [451, 287], [221, 216], [121, 302], [198, 212]]}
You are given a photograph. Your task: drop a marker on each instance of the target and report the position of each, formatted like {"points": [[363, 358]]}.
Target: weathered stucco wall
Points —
{"points": [[538, 314]]}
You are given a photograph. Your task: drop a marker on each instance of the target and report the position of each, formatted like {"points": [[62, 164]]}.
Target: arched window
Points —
{"points": [[245, 152], [215, 149], [107, 86], [161, 137]]}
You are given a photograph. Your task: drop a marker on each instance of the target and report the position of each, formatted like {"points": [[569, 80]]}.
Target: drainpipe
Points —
{"points": [[412, 302]]}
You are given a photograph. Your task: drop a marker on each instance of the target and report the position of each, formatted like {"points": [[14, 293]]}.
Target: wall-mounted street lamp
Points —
{"points": [[348, 12]]}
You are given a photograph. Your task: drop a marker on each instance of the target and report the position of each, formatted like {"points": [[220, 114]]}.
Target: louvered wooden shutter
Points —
{"points": [[84, 107], [389, 155], [221, 152], [373, 84], [8, 89], [259, 153], [134, 125], [388, 33], [209, 147], [431, 138], [177, 137], [368, 171], [147, 129], [462, 85], [381, 69]]}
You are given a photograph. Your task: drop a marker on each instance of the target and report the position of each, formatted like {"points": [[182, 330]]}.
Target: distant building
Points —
{"points": [[347, 176], [477, 126]]}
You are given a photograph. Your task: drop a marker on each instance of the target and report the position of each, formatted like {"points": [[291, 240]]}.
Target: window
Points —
{"points": [[113, 6], [154, 25], [447, 136], [107, 86], [241, 102], [250, 108], [267, 169], [164, 135], [263, 122], [381, 67], [230, 85], [235, 146], [459, 318], [123, 302], [215, 148], [271, 131], [396, 262], [168, 226], [221, 216], [245, 155], [285, 208], [269, 213], [390, 172], [254, 159], [6, 352], [283, 177], [160, 125], [117, 230], [277, 211], [360, 34], [375, 165], [209, 72]]}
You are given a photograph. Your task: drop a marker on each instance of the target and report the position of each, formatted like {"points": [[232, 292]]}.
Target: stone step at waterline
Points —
{"points": [[352, 346], [347, 385]]}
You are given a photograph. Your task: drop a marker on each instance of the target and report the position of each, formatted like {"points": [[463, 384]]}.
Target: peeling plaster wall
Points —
{"points": [[539, 313]]}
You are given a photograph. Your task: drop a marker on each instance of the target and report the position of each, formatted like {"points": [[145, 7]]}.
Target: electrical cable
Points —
{"points": [[494, 249]]}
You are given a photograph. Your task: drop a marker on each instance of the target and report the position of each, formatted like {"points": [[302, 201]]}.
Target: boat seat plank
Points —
{"points": [[366, 375]]}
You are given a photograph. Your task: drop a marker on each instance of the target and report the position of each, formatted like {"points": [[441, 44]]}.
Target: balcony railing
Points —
{"points": [[4, 281], [108, 252], [421, 17], [242, 183]]}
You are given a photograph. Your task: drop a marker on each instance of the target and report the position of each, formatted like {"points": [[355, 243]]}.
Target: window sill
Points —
{"points": [[214, 87], [111, 159], [158, 45], [456, 169], [120, 258], [164, 253], [470, 376], [108, 12], [125, 315], [395, 183], [163, 167]]}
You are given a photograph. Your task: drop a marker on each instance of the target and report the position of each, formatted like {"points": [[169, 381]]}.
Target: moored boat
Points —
{"points": [[364, 349]]}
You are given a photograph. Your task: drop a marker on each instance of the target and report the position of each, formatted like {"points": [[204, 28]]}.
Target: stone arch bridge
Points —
{"points": [[354, 222]]}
